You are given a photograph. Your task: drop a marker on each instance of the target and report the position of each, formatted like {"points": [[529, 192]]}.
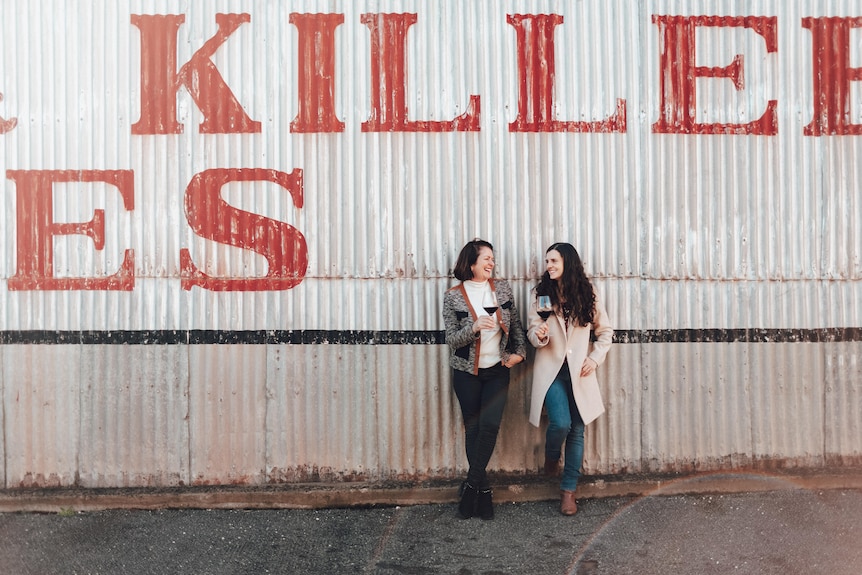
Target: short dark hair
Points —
{"points": [[467, 258]]}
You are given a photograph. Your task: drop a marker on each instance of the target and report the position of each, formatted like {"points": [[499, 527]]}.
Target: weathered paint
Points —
{"points": [[228, 228]]}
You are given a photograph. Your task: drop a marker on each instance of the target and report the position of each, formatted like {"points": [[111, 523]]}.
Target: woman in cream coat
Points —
{"points": [[564, 371]]}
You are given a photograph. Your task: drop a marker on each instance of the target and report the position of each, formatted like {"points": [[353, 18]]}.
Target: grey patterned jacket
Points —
{"points": [[459, 316]]}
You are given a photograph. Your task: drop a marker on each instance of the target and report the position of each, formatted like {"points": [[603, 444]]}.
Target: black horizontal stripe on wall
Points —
{"points": [[368, 337]]}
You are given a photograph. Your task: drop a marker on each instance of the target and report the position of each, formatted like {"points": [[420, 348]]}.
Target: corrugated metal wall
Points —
{"points": [[730, 263]]}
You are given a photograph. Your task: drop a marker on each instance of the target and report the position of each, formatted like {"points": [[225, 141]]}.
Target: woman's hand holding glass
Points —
{"points": [[484, 322], [544, 309], [490, 305]]}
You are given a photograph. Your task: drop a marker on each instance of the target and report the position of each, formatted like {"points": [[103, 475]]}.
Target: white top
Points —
{"points": [[489, 348]]}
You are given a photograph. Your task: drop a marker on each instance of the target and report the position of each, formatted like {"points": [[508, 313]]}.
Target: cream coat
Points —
{"points": [[573, 345]]}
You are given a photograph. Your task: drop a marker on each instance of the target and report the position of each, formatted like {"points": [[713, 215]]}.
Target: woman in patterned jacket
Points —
{"points": [[483, 346]]}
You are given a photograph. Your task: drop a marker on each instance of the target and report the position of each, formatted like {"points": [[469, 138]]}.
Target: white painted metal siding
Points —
{"points": [[730, 263]]}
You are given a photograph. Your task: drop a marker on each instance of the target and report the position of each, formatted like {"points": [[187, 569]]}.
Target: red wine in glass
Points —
{"points": [[489, 303], [543, 307]]}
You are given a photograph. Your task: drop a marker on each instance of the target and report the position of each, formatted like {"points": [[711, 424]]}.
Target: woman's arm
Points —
{"points": [[604, 334], [458, 332]]}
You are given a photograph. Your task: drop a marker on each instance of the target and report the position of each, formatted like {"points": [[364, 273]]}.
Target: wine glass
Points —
{"points": [[543, 307], [489, 302]]}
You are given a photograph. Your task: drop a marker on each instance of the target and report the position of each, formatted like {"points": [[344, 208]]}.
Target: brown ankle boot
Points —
{"points": [[552, 467], [568, 506]]}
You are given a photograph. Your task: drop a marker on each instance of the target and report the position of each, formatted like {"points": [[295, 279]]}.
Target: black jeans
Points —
{"points": [[482, 398]]}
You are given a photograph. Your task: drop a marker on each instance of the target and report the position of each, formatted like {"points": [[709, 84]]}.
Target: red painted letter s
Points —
{"points": [[212, 218]]}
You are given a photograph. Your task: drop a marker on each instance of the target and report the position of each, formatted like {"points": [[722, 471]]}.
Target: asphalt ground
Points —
{"points": [[732, 523]]}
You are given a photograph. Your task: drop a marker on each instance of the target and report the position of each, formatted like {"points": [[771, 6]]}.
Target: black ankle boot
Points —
{"points": [[485, 504], [467, 505]]}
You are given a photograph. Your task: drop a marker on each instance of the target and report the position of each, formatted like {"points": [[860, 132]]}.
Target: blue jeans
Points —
{"points": [[482, 398], [564, 425]]}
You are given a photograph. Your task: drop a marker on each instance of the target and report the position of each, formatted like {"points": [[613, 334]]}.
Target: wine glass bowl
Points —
{"points": [[489, 302], [543, 307]]}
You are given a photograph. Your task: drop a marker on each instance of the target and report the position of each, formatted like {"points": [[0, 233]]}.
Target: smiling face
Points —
{"points": [[554, 264], [484, 266]]}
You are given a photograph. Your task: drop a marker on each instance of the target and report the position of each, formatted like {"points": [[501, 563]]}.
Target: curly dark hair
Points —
{"points": [[573, 293], [468, 256]]}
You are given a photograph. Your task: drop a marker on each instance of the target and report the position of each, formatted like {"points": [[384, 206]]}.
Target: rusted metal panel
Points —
{"points": [[790, 388], [3, 361], [842, 414], [325, 413], [697, 409], [615, 442], [419, 428], [227, 414], [339, 412], [134, 416], [41, 400]]}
